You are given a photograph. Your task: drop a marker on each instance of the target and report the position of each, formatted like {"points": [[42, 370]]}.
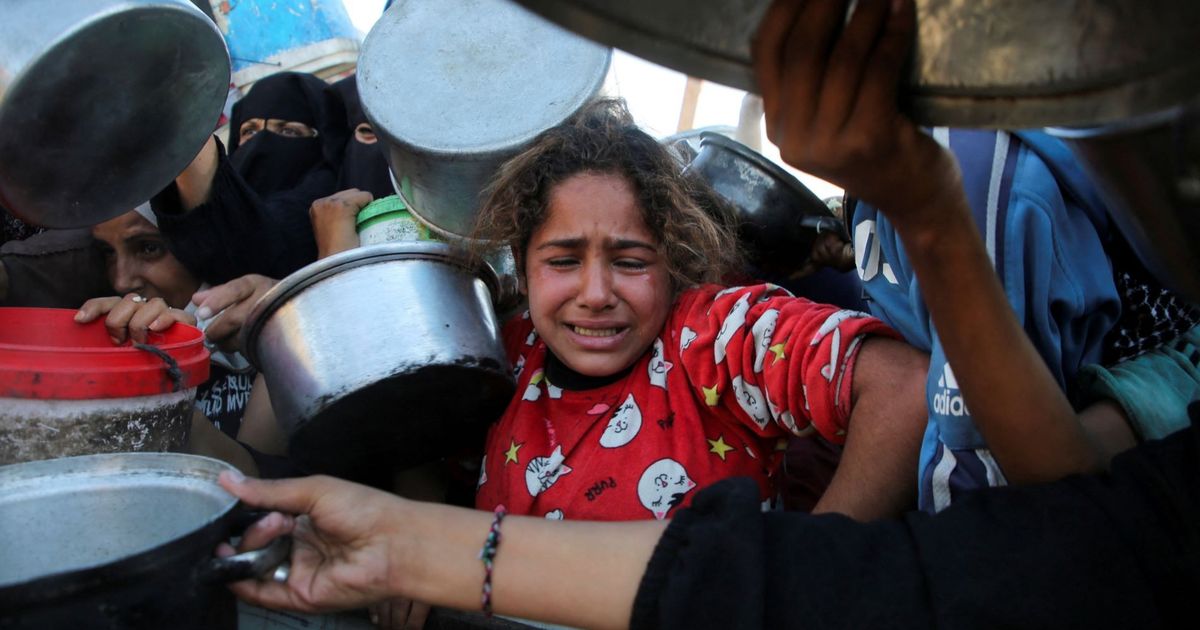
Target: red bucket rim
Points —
{"points": [[42, 371]]}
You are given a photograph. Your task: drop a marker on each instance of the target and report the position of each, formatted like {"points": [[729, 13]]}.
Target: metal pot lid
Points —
{"points": [[985, 63], [76, 513], [102, 103], [448, 76], [309, 275], [716, 141]]}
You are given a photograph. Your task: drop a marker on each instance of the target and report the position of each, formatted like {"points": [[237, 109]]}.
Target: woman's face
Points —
{"points": [[599, 291], [285, 128], [138, 261]]}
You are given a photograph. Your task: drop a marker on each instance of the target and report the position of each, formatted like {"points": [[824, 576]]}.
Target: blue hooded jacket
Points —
{"points": [[1045, 228]]}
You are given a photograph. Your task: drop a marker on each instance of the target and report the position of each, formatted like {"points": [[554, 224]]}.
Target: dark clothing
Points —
{"points": [[223, 397], [256, 218], [54, 269], [272, 163], [236, 231], [295, 97], [363, 166], [1118, 550]]}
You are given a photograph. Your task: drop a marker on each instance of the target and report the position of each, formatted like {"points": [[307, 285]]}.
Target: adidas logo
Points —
{"points": [[949, 401]]}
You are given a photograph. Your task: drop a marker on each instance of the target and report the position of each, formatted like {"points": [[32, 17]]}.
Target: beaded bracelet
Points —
{"points": [[488, 555]]}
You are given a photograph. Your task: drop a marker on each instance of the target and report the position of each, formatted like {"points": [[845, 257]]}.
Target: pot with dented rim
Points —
{"points": [[456, 87], [1005, 64], [122, 541], [381, 357], [779, 218], [102, 103]]}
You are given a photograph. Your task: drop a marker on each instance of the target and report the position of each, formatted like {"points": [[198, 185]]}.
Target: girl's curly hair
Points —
{"points": [[695, 229]]}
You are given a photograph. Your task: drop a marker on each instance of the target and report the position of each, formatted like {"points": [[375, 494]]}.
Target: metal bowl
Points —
{"points": [[779, 217], [983, 63], [381, 357], [102, 103], [456, 87]]}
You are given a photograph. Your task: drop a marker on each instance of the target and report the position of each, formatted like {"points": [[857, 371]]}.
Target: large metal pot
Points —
{"points": [[1148, 169], [982, 63], [381, 357], [456, 87], [102, 103], [121, 541], [779, 218]]}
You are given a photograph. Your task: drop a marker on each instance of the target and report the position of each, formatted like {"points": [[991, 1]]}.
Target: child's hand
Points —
{"points": [[132, 317], [830, 96], [333, 220]]}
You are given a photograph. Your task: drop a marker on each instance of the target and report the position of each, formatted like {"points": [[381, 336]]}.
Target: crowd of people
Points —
{"points": [[1013, 340]]}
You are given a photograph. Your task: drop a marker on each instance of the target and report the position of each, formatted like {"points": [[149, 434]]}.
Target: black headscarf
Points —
{"points": [[269, 162], [364, 166]]}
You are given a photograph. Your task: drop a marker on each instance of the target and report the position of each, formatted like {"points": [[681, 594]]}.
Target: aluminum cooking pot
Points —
{"points": [[381, 357], [778, 217], [982, 63], [456, 87], [102, 103], [1148, 170], [121, 540]]}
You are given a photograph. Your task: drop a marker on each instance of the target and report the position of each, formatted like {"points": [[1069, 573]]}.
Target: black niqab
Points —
{"points": [[364, 166], [272, 163]]}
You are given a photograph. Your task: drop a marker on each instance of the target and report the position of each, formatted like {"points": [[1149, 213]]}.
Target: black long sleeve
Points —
{"points": [[237, 232], [1119, 550]]}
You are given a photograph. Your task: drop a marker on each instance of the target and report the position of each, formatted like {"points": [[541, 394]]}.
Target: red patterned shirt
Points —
{"points": [[734, 371]]}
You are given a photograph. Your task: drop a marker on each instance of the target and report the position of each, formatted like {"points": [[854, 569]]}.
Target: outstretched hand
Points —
{"points": [[333, 220], [132, 317], [342, 541], [830, 98], [233, 302]]}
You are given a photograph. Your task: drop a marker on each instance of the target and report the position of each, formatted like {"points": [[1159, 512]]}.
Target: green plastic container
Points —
{"points": [[387, 220]]}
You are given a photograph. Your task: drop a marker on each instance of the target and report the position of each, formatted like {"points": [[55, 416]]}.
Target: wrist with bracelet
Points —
{"points": [[487, 554]]}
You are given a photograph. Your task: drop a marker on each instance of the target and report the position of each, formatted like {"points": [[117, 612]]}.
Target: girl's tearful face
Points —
{"points": [[599, 291]]}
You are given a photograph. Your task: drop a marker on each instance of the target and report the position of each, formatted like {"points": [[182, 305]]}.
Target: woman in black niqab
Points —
{"points": [[272, 162], [364, 165], [225, 217]]}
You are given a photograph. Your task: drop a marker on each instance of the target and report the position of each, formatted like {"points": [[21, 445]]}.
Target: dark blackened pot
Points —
{"points": [[120, 540], [779, 217]]}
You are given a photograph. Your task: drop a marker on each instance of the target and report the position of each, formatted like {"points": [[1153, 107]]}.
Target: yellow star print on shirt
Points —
{"points": [[719, 447], [511, 455], [778, 350], [711, 395]]}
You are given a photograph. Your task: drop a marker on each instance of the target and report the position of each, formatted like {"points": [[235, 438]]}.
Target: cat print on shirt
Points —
{"points": [[730, 326], [533, 391], [832, 322], [686, 337], [752, 400], [543, 472], [658, 366], [519, 366], [554, 515], [834, 352], [663, 485], [624, 425], [762, 331]]}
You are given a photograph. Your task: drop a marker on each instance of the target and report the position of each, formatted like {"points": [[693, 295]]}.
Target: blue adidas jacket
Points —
{"points": [[1045, 228]]}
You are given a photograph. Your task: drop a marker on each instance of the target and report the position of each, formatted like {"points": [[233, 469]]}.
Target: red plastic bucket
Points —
{"points": [[44, 354], [65, 389]]}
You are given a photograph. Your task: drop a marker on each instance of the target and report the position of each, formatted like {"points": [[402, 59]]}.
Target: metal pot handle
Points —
{"points": [[260, 563]]}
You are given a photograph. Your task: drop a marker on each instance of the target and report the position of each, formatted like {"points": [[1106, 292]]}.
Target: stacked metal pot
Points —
{"points": [[389, 355]]}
